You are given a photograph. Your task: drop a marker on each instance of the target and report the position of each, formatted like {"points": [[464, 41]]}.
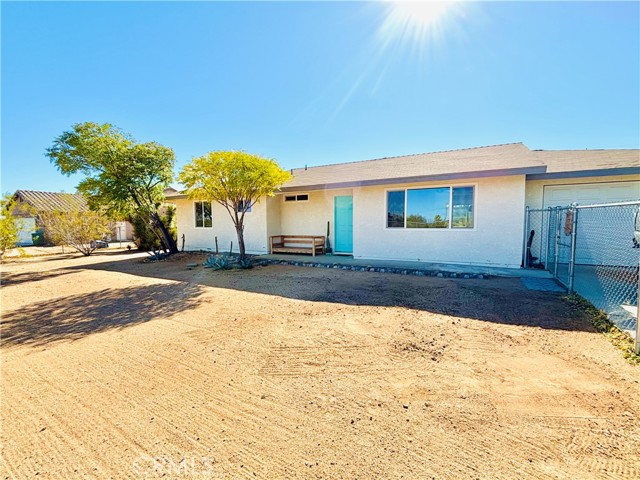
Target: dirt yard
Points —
{"points": [[113, 368]]}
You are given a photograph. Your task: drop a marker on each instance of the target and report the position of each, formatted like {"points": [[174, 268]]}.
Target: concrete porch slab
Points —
{"points": [[542, 284], [392, 265]]}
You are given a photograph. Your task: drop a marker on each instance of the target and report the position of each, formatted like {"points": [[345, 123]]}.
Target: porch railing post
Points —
{"points": [[556, 253], [525, 253], [572, 261]]}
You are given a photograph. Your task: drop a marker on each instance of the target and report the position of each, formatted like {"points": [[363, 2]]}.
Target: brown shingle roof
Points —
{"points": [[507, 159], [495, 160], [48, 201], [558, 161], [481, 161]]}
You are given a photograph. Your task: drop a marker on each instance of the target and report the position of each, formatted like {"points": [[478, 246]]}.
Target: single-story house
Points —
{"points": [[30, 204], [461, 206]]}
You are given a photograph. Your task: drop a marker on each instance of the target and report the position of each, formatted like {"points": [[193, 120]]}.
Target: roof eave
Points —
{"points": [[532, 170], [600, 172]]}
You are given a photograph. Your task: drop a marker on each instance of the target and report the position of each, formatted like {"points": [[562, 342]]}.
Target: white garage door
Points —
{"points": [[604, 235], [587, 193]]}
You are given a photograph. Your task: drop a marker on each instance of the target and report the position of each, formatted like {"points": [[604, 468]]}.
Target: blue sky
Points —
{"points": [[316, 83]]}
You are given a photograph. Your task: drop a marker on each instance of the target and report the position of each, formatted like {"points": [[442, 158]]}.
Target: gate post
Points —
{"points": [[556, 253], [572, 262], [546, 253], [637, 342], [525, 253]]}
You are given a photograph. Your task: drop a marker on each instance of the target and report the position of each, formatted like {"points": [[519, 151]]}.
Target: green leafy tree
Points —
{"points": [[122, 176], [10, 225], [236, 180], [143, 232], [78, 228]]}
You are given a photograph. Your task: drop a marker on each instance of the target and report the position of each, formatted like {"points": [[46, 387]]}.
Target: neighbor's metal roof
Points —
{"points": [[48, 201], [495, 160]]}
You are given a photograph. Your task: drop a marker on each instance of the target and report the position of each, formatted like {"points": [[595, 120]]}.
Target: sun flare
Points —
{"points": [[422, 14], [418, 23]]}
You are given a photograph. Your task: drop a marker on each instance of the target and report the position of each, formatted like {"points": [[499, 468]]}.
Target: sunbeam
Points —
{"points": [[420, 24]]}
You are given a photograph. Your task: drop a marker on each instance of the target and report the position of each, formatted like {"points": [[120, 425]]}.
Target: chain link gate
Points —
{"points": [[593, 250], [548, 241]]}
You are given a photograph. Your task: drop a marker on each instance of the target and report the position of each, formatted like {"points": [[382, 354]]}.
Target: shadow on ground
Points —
{"points": [[73, 317], [16, 278], [498, 300]]}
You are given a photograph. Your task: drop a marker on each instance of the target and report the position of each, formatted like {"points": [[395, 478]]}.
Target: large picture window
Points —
{"points": [[428, 208], [203, 214], [441, 207]]}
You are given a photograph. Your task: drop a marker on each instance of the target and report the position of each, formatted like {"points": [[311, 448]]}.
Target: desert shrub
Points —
{"points": [[146, 236], [9, 224], [78, 228]]}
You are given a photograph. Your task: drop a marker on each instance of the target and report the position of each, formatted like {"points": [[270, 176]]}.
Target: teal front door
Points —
{"points": [[343, 224]]}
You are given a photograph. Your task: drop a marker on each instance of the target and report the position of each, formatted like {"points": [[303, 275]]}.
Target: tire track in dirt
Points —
{"points": [[541, 457], [58, 436], [340, 413], [246, 409]]}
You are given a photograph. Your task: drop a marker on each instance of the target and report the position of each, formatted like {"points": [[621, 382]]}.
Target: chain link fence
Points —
{"points": [[593, 250]]}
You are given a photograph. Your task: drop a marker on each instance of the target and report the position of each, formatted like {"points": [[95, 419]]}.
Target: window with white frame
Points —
{"points": [[439, 207], [203, 214]]}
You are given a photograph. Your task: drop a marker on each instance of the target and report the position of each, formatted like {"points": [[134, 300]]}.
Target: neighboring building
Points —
{"points": [[122, 232], [461, 206], [30, 204], [33, 203]]}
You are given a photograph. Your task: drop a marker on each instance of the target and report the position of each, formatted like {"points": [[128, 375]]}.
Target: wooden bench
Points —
{"points": [[297, 244]]}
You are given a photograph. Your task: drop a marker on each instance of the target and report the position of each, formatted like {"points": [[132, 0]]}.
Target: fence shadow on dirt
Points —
{"points": [[497, 300], [74, 317]]}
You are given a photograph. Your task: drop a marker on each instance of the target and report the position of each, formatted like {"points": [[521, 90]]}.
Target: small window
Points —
{"points": [[303, 197], [241, 207], [462, 207], [203, 214], [428, 208], [395, 209]]}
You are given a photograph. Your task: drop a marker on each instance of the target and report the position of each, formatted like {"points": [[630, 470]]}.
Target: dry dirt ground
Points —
{"points": [[113, 368]]}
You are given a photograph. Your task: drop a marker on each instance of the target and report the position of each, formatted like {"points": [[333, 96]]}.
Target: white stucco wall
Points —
{"points": [[535, 188], [495, 240], [309, 217], [203, 238], [273, 215]]}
